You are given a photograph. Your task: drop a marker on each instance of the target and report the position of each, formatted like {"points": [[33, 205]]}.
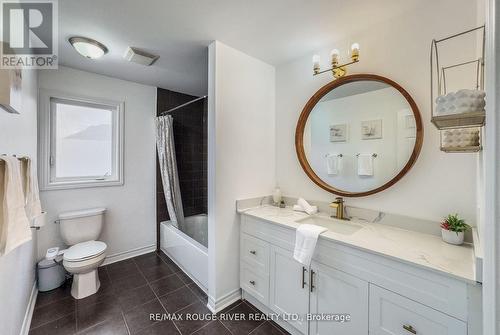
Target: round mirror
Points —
{"points": [[359, 135]]}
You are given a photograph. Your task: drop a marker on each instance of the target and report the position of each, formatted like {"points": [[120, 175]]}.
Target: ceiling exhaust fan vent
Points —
{"points": [[139, 56]]}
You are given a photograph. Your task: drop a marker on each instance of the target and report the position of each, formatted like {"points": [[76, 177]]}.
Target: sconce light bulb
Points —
{"points": [[334, 52], [316, 67], [355, 52]]}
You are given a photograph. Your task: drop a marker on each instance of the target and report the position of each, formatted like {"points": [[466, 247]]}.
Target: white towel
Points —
{"points": [[305, 242], [298, 208], [462, 101], [365, 165], [31, 193], [14, 224], [333, 164], [307, 207]]}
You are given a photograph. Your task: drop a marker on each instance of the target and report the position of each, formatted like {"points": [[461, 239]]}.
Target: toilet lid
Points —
{"points": [[84, 250]]}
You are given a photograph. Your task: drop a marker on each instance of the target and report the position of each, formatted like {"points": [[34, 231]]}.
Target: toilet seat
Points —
{"points": [[84, 251]]}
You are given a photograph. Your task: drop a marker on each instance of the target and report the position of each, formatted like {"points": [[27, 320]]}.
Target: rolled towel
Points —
{"points": [[306, 238], [307, 207], [298, 208], [462, 101]]}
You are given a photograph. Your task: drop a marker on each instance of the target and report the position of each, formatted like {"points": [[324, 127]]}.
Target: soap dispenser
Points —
{"points": [[277, 196]]}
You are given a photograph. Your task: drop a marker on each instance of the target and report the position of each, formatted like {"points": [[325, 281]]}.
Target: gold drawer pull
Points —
{"points": [[252, 282], [253, 252], [409, 328]]}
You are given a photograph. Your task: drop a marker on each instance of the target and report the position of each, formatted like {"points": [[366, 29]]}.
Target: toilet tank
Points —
{"points": [[81, 225]]}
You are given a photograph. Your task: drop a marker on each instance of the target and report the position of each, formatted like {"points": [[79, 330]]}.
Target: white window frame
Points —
{"points": [[46, 125]]}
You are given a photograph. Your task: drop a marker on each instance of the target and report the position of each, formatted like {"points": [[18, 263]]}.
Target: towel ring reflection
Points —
{"points": [[374, 155]]}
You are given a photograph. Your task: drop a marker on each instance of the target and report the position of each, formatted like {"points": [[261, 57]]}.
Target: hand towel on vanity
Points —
{"points": [[14, 224], [333, 164], [31, 193], [305, 242], [365, 165], [307, 207], [298, 208]]}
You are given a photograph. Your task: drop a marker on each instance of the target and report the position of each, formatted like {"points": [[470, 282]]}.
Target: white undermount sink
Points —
{"points": [[333, 225]]}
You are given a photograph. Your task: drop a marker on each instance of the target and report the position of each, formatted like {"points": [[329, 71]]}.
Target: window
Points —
{"points": [[82, 142]]}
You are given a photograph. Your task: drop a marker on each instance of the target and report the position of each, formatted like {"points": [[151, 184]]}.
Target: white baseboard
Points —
{"points": [[129, 254], [29, 310], [215, 306]]}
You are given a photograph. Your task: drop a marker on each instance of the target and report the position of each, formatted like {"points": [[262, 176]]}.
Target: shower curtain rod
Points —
{"points": [[184, 104]]}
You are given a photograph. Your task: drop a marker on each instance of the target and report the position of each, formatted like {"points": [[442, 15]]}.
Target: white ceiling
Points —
{"points": [[275, 31]]}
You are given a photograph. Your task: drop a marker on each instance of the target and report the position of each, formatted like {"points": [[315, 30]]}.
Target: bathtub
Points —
{"points": [[187, 246]]}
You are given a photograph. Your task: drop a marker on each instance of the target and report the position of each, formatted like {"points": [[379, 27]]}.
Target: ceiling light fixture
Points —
{"points": [[88, 47]]}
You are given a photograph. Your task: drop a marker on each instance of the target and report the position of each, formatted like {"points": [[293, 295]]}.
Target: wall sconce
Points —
{"points": [[337, 70]]}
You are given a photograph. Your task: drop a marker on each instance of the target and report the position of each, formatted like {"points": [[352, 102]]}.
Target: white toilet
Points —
{"points": [[80, 230]]}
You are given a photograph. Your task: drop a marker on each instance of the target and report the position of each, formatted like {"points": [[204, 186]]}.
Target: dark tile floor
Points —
{"points": [[130, 291]]}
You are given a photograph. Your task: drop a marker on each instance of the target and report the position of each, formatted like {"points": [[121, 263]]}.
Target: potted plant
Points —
{"points": [[453, 228]]}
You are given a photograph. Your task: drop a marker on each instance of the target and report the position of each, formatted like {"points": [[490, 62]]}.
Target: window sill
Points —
{"points": [[85, 184]]}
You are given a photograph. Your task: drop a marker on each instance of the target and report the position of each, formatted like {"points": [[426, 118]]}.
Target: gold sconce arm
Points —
{"points": [[338, 69]]}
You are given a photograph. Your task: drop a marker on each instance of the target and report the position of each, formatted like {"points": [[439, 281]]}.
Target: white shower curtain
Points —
{"points": [[168, 168]]}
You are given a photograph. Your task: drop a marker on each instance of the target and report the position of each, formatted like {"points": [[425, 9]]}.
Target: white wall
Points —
{"points": [[17, 268], [241, 151], [131, 216], [439, 183]]}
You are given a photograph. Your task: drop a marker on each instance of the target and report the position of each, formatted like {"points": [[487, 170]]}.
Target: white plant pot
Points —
{"points": [[452, 237]]}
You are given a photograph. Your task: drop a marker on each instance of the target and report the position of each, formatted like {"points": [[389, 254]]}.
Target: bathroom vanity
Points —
{"points": [[385, 279], [357, 136]]}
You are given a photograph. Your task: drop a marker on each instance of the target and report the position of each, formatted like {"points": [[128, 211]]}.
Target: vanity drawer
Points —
{"points": [[254, 283], [391, 314], [255, 252]]}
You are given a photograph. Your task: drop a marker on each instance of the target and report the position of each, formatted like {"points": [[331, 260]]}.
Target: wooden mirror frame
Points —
{"points": [[299, 133]]}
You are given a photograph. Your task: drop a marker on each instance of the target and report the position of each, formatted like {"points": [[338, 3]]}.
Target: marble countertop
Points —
{"points": [[415, 248]]}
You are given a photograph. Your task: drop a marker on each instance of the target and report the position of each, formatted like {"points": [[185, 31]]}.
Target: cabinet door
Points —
{"points": [[289, 292], [393, 314], [336, 292]]}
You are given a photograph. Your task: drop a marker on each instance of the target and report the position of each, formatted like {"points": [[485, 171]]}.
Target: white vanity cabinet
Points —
{"points": [[382, 296], [289, 291], [392, 314], [336, 292]]}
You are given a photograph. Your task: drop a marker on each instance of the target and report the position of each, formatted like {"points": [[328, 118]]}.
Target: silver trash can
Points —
{"points": [[51, 275]]}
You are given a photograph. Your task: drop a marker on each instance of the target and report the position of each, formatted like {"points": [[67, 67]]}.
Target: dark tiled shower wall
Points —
{"points": [[190, 136]]}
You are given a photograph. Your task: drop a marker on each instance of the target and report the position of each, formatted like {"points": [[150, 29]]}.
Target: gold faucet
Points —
{"points": [[338, 204]]}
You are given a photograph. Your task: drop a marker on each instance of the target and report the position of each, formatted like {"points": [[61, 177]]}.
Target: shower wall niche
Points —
{"points": [[190, 136]]}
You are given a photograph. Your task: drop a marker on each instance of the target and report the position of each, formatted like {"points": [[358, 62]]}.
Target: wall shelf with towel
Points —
{"points": [[457, 90], [463, 120]]}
